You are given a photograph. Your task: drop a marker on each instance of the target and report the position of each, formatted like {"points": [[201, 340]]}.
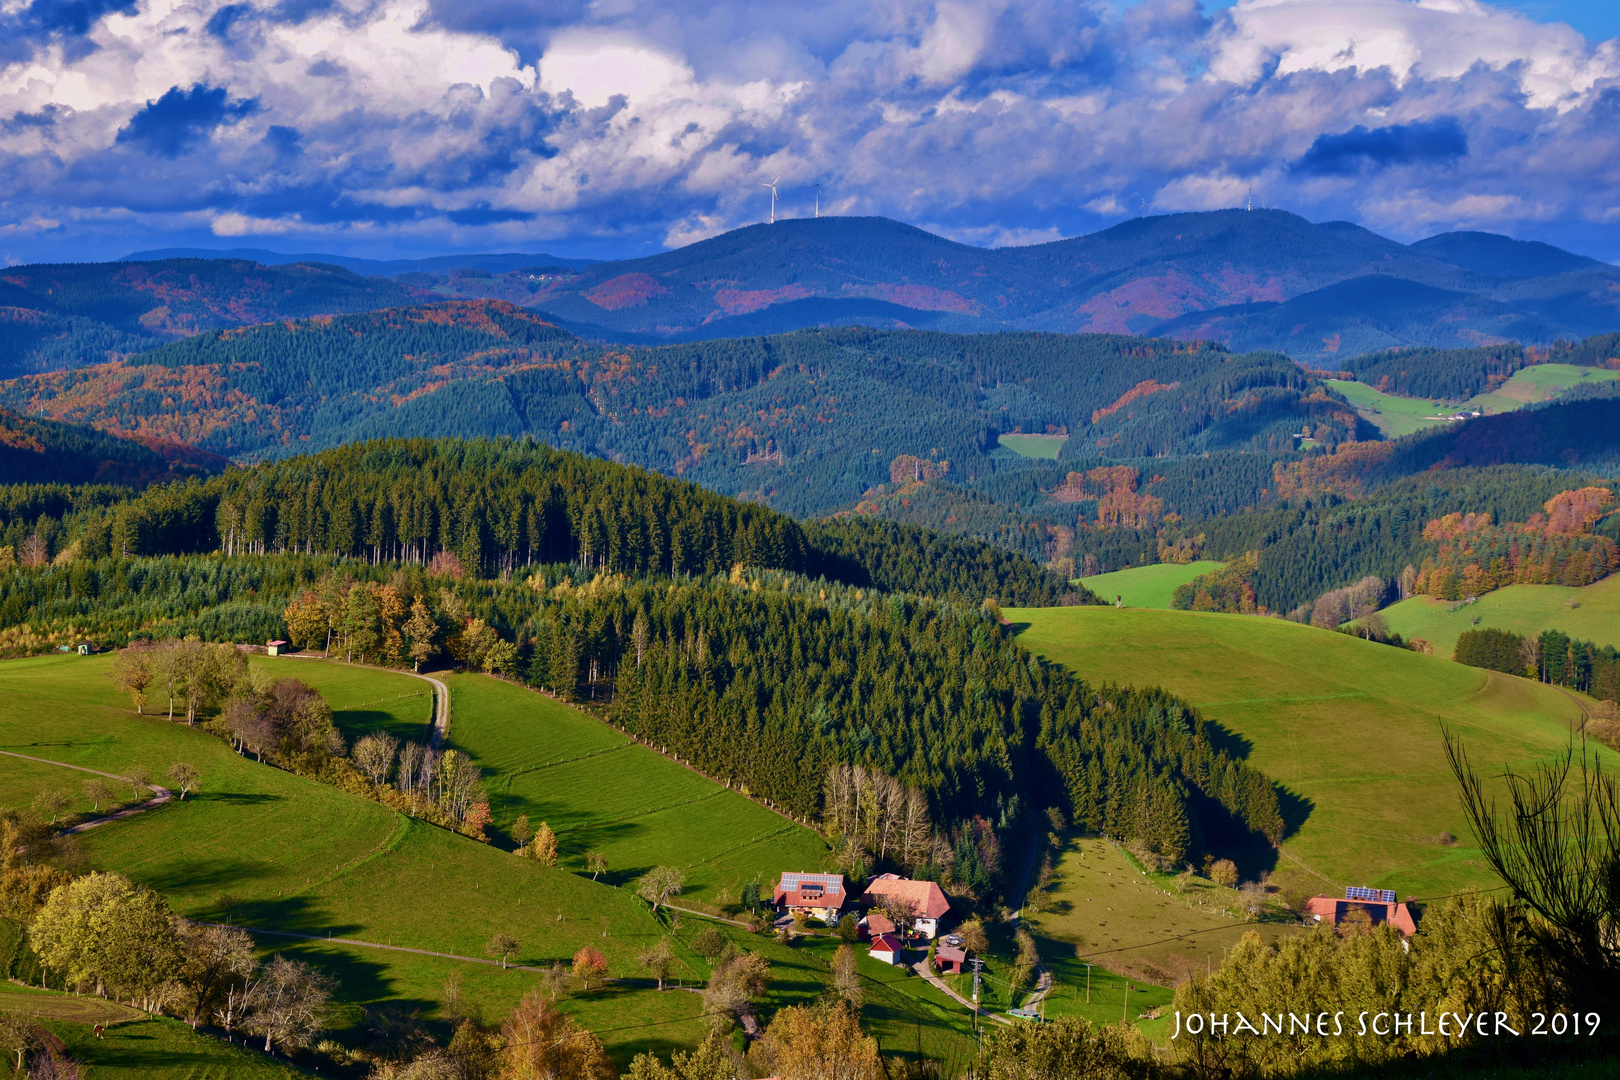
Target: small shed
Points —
{"points": [[950, 959], [275, 648], [886, 949], [85, 648]]}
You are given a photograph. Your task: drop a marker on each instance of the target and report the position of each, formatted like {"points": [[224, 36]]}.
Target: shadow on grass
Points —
{"points": [[1295, 810]]}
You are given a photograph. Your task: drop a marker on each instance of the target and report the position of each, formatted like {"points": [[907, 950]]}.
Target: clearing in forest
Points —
{"points": [[1591, 613], [1396, 416], [1148, 586]]}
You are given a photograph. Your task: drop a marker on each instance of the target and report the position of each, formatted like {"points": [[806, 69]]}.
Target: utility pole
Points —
{"points": [[1125, 1009], [978, 968], [1088, 984]]}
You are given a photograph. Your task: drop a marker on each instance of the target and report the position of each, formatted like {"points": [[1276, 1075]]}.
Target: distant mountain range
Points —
{"points": [[1253, 280], [1264, 279], [439, 264]]}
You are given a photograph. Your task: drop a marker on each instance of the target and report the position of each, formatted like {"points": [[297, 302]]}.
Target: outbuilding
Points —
{"points": [[275, 648], [886, 949]]}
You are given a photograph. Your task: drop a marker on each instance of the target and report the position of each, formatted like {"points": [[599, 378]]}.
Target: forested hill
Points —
{"points": [[61, 316], [807, 422], [502, 505], [762, 651], [36, 451]]}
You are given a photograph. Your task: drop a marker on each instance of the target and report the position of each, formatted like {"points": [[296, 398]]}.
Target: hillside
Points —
{"points": [[61, 316], [1590, 613], [1347, 727], [1264, 279], [1218, 274], [806, 421], [38, 451]]}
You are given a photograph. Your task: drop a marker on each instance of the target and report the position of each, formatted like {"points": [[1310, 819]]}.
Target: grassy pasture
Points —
{"points": [[1349, 728], [1045, 447], [1148, 586], [1591, 613], [601, 792], [362, 699], [1133, 929], [1396, 416], [161, 1049]]}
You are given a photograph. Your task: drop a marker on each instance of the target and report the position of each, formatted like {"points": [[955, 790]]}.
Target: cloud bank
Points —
{"points": [[381, 126]]}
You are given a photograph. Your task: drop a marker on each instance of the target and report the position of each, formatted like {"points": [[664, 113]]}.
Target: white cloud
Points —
{"points": [[998, 121]]}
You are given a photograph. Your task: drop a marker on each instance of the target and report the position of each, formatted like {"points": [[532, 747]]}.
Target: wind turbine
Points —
{"points": [[772, 186], [818, 193]]}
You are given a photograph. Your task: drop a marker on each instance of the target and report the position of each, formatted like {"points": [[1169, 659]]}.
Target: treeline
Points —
{"points": [[1476, 556], [1550, 657], [767, 681], [501, 505], [1311, 545]]}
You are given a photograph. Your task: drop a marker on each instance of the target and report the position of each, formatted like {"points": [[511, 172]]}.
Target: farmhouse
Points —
{"points": [[924, 899], [886, 949], [1379, 904], [821, 896]]}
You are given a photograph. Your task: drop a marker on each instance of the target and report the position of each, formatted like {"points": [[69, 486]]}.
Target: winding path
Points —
{"points": [[921, 967], [160, 795], [441, 692]]}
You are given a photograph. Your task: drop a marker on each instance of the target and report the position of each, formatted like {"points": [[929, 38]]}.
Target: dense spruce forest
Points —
{"points": [[762, 650]]}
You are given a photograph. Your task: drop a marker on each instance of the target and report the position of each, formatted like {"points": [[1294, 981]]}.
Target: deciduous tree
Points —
{"points": [[217, 959], [286, 1003], [374, 756], [544, 846], [105, 931], [661, 883], [847, 976], [821, 1042], [659, 960], [502, 947], [185, 778], [589, 966], [542, 1043]]}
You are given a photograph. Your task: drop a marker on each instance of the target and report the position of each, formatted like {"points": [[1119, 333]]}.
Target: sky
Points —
{"points": [[607, 128]]}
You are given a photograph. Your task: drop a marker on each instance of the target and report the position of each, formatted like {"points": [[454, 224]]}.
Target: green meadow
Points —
{"points": [[1591, 613], [601, 792], [271, 851], [1148, 586], [1045, 447], [1350, 729], [156, 1048], [1396, 416]]}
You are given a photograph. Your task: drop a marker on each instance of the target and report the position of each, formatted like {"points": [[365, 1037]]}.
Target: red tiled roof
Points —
{"points": [[1332, 910], [925, 897], [886, 943], [811, 890]]}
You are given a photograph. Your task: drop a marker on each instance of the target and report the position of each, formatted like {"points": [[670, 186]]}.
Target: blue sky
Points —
{"points": [[615, 127]]}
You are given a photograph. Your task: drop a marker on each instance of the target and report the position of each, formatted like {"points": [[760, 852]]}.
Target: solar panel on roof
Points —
{"points": [[1377, 896]]}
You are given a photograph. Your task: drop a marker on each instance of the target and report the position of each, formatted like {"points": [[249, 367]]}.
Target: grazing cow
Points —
{"points": [[101, 1030]]}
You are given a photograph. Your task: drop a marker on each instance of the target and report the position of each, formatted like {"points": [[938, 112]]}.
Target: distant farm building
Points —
{"points": [[85, 648], [275, 648], [924, 899], [820, 896], [886, 949], [1380, 906]]}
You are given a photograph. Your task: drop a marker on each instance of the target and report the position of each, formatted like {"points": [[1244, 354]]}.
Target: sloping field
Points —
{"points": [[162, 1049], [1034, 446], [1591, 613], [1148, 586], [1396, 416], [1351, 729], [600, 792]]}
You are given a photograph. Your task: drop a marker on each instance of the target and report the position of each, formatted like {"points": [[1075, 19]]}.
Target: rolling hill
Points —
{"points": [[39, 451], [61, 316], [1349, 728], [808, 421], [1251, 279]]}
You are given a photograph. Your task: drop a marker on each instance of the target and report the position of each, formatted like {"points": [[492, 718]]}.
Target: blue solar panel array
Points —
{"points": [[1377, 896]]}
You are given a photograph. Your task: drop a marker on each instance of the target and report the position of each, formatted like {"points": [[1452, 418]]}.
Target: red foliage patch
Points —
{"points": [[626, 290]]}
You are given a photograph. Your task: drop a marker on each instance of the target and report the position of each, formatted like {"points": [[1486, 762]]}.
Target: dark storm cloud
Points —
{"points": [[180, 119], [1361, 148]]}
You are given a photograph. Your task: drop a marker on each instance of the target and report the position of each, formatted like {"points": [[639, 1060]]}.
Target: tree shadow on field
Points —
{"points": [[1224, 739], [239, 798], [1014, 629], [206, 875], [1295, 810]]}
